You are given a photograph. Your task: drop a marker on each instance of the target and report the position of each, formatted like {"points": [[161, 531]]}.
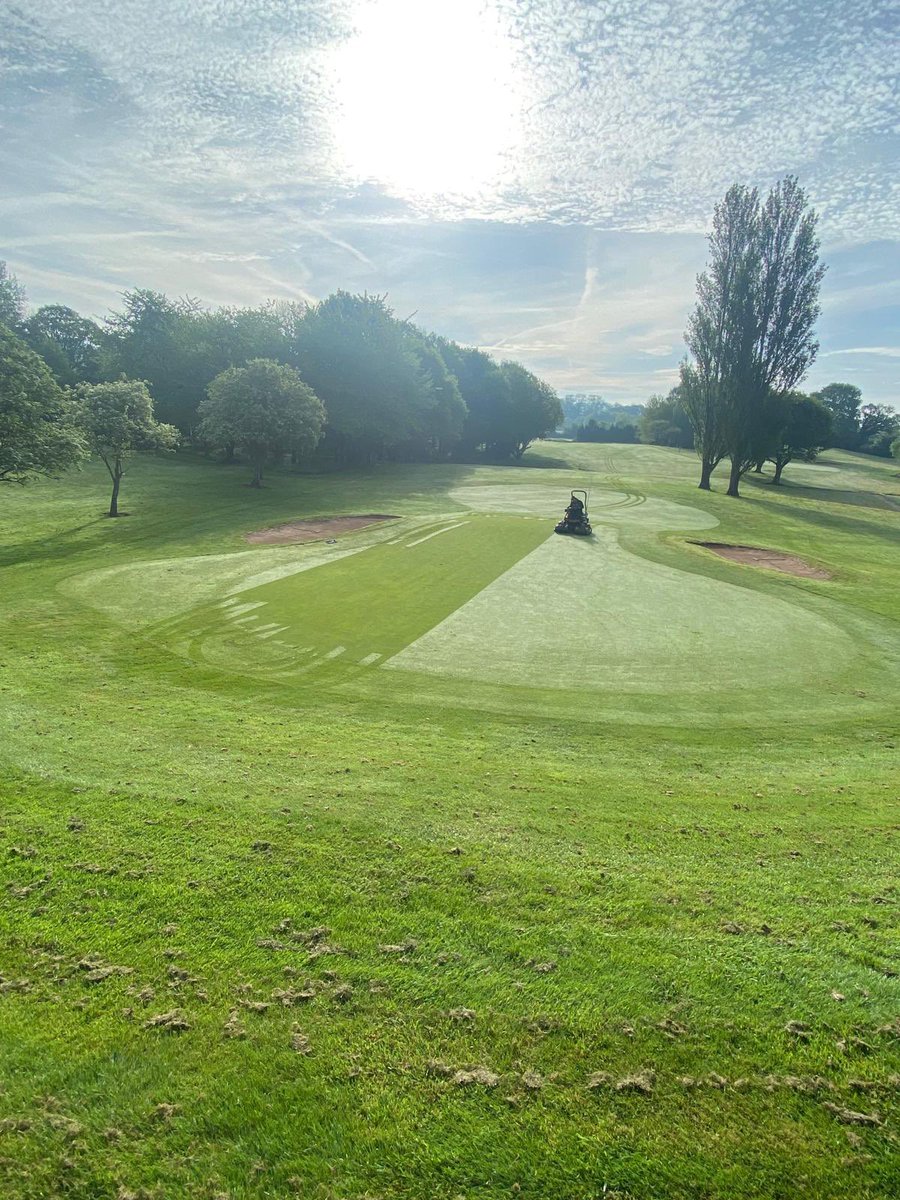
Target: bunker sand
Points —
{"points": [[315, 528], [775, 560]]}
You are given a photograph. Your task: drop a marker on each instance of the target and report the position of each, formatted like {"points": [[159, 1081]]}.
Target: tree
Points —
{"points": [[621, 432], [534, 410], [751, 333], [804, 431], [508, 406], [357, 357], [716, 328], [265, 410], [444, 408], [590, 431], [843, 401], [877, 428], [485, 389], [664, 421], [868, 428], [12, 299], [68, 343], [895, 448], [161, 341], [39, 434], [118, 421], [699, 389]]}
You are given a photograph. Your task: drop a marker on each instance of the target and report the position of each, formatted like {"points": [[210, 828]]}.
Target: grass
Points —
{"points": [[646, 882]]}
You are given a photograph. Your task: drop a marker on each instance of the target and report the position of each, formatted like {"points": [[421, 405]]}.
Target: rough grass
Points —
{"points": [[502, 954]]}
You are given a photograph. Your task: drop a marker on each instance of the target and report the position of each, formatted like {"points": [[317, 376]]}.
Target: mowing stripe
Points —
{"points": [[383, 596], [242, 608], [271, 632], [420, 527], [446, 529]]}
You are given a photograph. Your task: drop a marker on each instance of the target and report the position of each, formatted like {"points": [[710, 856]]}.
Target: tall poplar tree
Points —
{"points": [[751, 335]]}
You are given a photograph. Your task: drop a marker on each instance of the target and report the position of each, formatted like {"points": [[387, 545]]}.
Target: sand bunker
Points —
{"points": [[316, 528], [753, 556]]}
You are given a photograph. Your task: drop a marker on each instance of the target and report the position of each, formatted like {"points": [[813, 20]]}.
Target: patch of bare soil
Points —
{"points": [[315, 529], [754, 556]]}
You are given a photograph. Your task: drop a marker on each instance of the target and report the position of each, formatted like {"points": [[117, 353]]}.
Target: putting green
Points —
{"points": [[588, 614], [606, 507]]}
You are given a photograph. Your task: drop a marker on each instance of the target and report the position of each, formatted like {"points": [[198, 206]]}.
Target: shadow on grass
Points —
{"points": [[63, 544], [835, 521], [825, 495], [855, 461], [544, 462]]}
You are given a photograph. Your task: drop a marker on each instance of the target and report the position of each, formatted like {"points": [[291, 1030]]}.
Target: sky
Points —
{"points": [[535, 177]]}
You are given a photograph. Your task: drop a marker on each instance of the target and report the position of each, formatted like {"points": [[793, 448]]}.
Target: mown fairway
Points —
{"points": [[341, 871]]}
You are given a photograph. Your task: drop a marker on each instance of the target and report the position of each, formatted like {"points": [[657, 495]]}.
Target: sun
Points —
{"points": [[426, 97]]}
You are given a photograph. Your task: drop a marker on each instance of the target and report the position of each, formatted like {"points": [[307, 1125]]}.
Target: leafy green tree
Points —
{"points": [[357, 357], [878, 426], [895, 448], [265, 410], [534, 409], [485, 389], [118, 422], [590, 431], [869, 428], [39, 434], [443, 411], [752, 331], [664, 422], [12, 299], [804, 430], [155, 339], [843, 401], [700, 391], [263, 332], [716, 329], [67, 342], [508, 406], [619, 432]]}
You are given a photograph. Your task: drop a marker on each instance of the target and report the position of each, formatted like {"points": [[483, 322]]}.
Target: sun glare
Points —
{"points": [[426, 96]]}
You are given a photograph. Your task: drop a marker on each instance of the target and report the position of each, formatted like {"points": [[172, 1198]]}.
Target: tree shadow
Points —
{"points": [[835, 521], [805, 491], [61, 545], [860, 462], [543, 462]]}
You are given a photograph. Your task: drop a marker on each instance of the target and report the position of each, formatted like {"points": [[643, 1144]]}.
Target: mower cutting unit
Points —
{"points": [[576, 518]]}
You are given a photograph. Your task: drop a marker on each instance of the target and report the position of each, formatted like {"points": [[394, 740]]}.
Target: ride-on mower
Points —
{"points": [[576, 518]]}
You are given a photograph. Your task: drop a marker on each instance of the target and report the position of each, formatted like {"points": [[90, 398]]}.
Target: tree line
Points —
{"points": [[801, 425], [342, 382]]}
